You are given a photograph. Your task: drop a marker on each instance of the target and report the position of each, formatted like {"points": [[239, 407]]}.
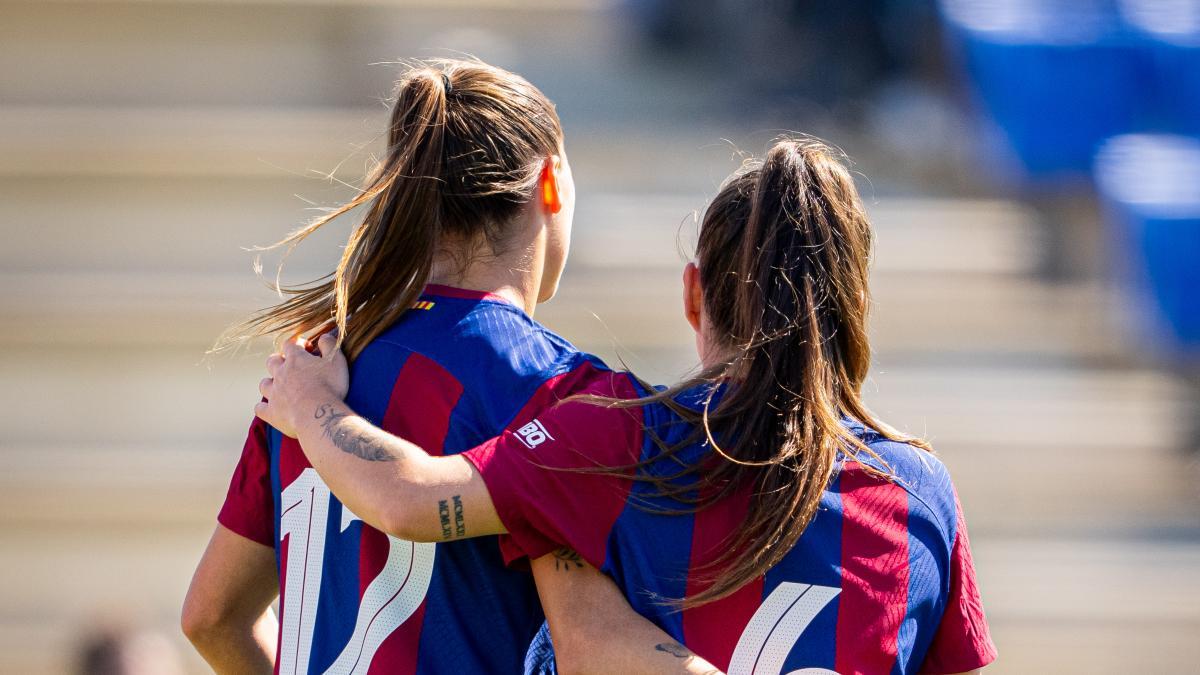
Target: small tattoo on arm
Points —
{"points": [[444, 509], [566, 559], [444, 517], [674, 649], [351, 441], [460, 527]]}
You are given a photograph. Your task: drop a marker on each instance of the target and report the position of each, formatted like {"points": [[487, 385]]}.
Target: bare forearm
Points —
{"points": [[638, 647], [594, 628], [367, 468], [240, 648]]}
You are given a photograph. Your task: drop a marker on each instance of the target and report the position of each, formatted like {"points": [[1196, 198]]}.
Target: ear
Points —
{"points": [[548, 185], [693, 295]]}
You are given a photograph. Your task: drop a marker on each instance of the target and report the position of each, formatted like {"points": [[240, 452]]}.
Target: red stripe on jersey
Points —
{"points": [[463, 293], [292, 461], [874, 597], [400, 648], [706, 629], [373, 549], [419, 409], [422, 400]]}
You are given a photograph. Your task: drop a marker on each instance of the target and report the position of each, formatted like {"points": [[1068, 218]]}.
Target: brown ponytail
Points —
{"points": [[784, 252], [465, 148]]}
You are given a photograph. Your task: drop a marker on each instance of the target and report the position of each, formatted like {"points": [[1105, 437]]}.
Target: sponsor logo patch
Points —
{"points": [[533, 434]]}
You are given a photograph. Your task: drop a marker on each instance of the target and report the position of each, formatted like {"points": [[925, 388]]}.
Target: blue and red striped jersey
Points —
{"points": [[881, 581], [458, 368]]}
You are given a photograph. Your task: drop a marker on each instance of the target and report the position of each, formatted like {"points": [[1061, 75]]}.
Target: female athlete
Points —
{"points": [[757, 512], [465, 229]]}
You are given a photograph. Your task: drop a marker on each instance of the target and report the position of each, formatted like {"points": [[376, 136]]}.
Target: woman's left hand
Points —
{"points": [[299, 382]]}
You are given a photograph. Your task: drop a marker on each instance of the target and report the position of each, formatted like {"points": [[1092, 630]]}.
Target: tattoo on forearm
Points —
{"points": [[444, 510], [351, 441], [674, 649], [444, 517], [566, 559], [460, 526]]}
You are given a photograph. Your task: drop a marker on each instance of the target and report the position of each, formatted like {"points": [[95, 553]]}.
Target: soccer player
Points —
{"points": [[475, 190], [757, 512]]}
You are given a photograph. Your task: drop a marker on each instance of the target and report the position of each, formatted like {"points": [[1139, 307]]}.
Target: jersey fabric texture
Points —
{"points": [[458, 368], [880, 582]]}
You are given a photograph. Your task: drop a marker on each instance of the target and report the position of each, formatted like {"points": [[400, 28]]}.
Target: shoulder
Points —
{"points": [[479, 340], [497, 332], [921, 474]]}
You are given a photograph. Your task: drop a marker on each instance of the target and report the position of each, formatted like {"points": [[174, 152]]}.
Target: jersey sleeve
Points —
{"points": [[249, 508], [559, 476], [963, 641]]}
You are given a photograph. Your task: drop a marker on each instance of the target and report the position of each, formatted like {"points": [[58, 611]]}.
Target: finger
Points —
{"points": [[327, 344], [274, 361], [265, 385], [291, 349], [260, 410]]}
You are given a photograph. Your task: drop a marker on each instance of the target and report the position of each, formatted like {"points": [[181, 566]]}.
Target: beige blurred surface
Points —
{"points": [[144, 145]]}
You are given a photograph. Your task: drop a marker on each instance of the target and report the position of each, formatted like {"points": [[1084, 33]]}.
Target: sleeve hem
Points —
{"points": [[980, 659], [521, 542], [245, 532]]}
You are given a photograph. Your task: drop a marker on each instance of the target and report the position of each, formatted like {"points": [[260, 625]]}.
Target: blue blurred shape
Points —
{"points": [[1053, 77], [1151, 185], [1170, 30]]}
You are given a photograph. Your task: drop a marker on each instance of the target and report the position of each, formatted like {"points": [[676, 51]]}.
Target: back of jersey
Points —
{"points": [[880, 582], [457, 369]]}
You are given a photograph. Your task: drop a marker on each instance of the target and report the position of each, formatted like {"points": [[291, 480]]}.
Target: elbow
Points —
{"points": [[203, 623], [395, 525], [199, 624], [400, 520]]}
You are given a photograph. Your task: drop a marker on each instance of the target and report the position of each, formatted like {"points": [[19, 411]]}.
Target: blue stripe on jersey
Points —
{"points": [[646, 582], [373, 374], [819, 563], [918, 554], [931, 530], [274, 439]]}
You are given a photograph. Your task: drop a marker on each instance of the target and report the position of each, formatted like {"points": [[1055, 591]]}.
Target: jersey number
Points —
{"points": [[776, 627], [388, 601]]}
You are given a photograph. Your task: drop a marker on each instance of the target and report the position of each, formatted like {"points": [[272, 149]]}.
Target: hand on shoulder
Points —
{"points": [[299, 382]]}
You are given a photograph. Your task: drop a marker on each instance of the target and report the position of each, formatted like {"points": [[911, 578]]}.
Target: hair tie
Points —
{"points": [[446, 84]]}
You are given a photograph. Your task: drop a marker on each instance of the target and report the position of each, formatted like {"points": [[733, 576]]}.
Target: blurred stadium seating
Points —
{"points": [[143, 145]]}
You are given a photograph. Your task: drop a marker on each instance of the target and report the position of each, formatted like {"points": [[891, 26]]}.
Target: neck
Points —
{"points": [[514, 276]]}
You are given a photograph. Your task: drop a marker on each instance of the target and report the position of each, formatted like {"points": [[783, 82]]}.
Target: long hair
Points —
{"points": [[784, 254], [466, 143]]}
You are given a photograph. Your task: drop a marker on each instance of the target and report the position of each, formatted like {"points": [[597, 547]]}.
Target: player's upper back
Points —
{"points": [[457, 369], [875, 583], [473, 352], [881, 581]]}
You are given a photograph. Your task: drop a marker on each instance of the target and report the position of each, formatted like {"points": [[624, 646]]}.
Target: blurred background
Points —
{"points": [[1032, 168]]}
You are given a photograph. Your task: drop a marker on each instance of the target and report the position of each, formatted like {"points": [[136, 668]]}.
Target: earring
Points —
{"points": [[550, 198]]}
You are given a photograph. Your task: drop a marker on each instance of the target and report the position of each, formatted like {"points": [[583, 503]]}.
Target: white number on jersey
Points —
{"points": [[776, 627], [388, 601]]}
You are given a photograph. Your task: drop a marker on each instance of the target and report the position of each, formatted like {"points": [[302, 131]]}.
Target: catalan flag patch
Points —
{"points": [[423, 304]]}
